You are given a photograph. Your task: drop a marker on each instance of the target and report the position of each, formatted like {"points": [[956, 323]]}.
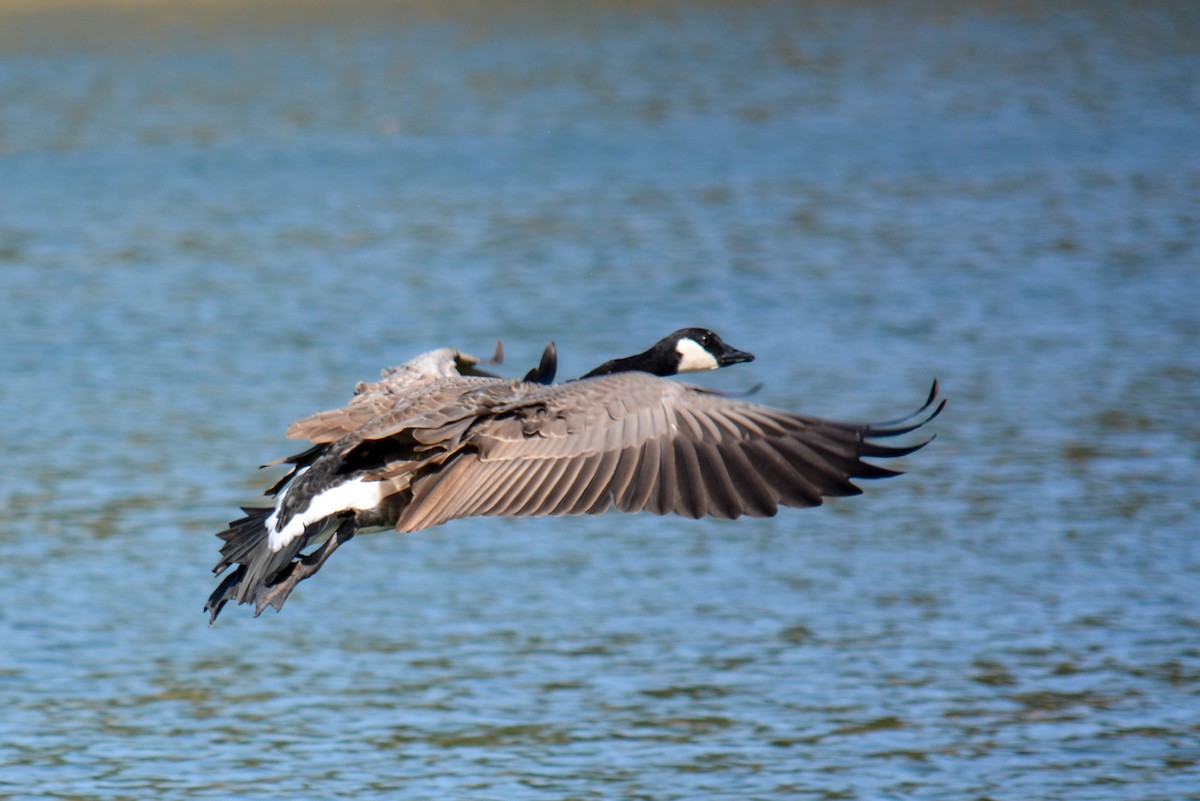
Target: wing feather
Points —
{"points": [[828, 472], [501, 491], [624, 475], [692, 501], [790, 487], [536, 490], [723, 500], [598, 492], [576, 500], [641, 443], [439, 495], [755, 493], [645, 482]]}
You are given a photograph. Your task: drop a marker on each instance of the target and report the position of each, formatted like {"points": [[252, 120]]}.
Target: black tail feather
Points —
{"points": [[243, 536], [226, 591], [247, 545]]}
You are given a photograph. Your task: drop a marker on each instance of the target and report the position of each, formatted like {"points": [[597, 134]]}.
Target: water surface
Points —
{"points": [[215, 221]]}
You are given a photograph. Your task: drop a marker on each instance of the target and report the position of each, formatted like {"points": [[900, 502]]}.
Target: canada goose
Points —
{"points": [[437, 439]]}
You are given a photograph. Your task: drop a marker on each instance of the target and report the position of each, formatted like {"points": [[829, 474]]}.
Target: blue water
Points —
{"points": [[214, 221]]}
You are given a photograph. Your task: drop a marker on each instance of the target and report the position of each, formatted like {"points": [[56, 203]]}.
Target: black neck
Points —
{"points": [[644, 362]]}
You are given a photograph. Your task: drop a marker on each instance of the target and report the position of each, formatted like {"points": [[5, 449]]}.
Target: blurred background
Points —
{"points": [[217, 217]]}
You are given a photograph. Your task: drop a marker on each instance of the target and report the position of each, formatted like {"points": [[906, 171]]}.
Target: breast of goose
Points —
{"points": [[437, 439]]}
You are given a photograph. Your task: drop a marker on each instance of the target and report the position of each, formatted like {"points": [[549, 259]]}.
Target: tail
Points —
{"points": [[258, 567]]}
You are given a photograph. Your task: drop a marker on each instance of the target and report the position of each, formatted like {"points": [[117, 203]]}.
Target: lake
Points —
{"points": [[215, 220]]}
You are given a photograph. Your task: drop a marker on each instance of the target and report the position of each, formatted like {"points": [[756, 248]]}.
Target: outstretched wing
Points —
{"points": [[642, 443]]}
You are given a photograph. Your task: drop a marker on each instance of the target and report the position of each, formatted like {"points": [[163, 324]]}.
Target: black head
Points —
{"points": [[685, 351], [695, 349]]}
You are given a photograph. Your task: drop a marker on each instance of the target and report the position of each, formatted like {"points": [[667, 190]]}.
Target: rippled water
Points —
{"points": [[215, 221]]}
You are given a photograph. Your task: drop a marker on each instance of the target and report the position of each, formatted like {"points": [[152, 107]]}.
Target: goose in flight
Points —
{"points": [[437, 439]]}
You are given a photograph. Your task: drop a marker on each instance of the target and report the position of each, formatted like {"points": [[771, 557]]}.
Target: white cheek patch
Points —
{"points": [[693, 357], [356, 494]]}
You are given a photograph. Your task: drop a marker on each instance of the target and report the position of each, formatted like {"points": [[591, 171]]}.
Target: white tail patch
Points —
{"points": [[356, 494], [693, 357]]}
